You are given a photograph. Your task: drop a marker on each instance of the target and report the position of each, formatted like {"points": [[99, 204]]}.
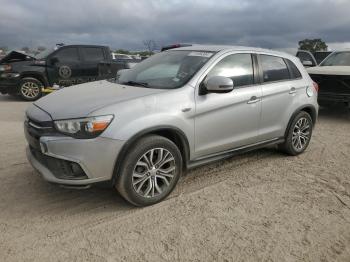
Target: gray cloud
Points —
{"points": [[126, 23]]}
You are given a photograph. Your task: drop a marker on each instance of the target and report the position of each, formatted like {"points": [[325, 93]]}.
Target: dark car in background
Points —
{"points": [[31, 76]]}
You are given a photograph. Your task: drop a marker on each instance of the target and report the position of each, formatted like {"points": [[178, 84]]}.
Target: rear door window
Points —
{"points": [[274, 68], [92, 54]]}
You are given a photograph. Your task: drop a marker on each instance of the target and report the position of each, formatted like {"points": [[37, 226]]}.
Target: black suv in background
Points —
{"points": [[31, 76]]}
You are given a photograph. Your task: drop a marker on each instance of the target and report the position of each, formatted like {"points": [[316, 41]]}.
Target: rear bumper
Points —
{"points": [[96, 157]]}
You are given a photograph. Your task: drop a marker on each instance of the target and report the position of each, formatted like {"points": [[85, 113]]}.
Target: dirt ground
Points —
{"points": [[261, 206]]}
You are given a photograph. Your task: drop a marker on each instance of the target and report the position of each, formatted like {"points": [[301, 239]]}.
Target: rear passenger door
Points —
{"points": [[91, 58], [281, 83]]}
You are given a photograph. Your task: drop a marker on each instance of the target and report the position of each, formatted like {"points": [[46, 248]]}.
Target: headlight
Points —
{"points": [[89, 127], [5, 68]]}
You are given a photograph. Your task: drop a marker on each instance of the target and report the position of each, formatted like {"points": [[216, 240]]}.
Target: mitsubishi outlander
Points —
{"points": [[178, 109]]}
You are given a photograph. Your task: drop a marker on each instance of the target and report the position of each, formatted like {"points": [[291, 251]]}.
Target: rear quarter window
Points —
{"points": [[92, 54], [294, 71]]}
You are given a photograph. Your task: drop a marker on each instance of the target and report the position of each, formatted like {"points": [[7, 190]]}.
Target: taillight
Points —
{"points": [[315, 85]]}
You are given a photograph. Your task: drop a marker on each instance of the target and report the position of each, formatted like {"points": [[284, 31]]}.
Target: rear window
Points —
{"points": [[274, 68], [295, 73], [92, 54]]}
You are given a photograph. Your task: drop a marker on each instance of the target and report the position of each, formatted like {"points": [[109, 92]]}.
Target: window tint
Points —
{"points": [[238, 67], [92, 54], [274, 68], [294, 70], [67, 55]]}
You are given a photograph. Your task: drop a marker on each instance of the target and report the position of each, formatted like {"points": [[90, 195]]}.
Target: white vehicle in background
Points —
{"points": [[333, 78]]}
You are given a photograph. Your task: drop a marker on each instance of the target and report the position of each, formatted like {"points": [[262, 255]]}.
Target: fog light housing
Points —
{"points": [[43, 148], [76, 170]]}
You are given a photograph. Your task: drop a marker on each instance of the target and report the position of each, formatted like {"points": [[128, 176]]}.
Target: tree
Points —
{"points": [[313, 45], [150, 45]]}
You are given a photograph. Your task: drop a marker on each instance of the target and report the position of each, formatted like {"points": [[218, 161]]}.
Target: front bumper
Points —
{"points": [[9, 83], [96, 157]]}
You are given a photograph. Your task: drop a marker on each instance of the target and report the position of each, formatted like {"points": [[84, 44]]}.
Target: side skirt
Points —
{"points": [[232, 152]]}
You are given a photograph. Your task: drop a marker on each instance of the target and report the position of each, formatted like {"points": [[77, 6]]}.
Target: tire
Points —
{"points": [[298, 135], [150, 171], [30, 89]]}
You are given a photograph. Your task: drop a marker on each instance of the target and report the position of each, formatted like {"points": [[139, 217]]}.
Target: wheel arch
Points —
{"points": [[172, 133], [310, 109], [37, 75]]}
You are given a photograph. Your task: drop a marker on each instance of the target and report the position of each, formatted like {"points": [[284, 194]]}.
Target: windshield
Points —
{"points": [[337, 59], [43, 54], [166, 70]]}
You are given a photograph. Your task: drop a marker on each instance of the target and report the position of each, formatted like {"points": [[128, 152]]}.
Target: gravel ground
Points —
{"points": [[261, 206]]}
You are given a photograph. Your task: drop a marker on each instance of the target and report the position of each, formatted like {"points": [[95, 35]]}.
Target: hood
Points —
{"points": [[79, 101], [329, 70], [15, 56]]}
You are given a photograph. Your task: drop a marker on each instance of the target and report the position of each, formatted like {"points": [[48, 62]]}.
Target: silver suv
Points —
{"points": [[175, 110]]}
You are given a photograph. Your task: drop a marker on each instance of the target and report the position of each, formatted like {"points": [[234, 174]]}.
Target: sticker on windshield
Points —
{"points": [[202, 54]]}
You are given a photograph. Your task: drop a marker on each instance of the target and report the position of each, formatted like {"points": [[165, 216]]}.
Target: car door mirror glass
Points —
{"points": [[219, 84]]}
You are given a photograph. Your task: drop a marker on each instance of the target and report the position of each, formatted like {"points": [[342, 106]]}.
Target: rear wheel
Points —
{"points": [[299, 134], [150, 171], [30, 89]]}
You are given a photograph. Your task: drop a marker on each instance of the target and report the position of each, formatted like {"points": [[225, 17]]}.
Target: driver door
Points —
{"points": [[229, 120]]}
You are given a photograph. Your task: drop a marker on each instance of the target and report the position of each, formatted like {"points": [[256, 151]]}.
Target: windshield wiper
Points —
{"points": [[135, 83]]}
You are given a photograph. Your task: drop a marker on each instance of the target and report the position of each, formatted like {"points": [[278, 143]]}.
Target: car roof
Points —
{"points": [[227, 48]]}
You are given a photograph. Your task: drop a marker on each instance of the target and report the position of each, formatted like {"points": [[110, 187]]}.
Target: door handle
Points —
{"points": [[253, 100], [292, 91]]}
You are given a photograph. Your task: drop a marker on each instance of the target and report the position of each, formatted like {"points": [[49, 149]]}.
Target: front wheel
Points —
{"points": [[30, 89], [298, 135], [150, 171]]}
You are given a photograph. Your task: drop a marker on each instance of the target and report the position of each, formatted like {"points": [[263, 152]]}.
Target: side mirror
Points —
{"points": [[219, 84], [53, 60], [307, 63]]}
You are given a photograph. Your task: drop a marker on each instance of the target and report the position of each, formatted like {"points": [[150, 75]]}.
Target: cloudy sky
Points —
{"points": [[278, 24]]}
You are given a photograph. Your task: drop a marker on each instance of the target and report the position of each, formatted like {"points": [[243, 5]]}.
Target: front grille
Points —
{"points": [[334, 84], [61, 169], [38, 129]]}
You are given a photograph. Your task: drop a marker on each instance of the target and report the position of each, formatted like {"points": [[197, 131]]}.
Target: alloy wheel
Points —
{"points": [[30, 90], [301, 134], [153, 172]]}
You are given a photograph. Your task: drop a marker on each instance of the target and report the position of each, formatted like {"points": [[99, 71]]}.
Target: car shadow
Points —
{"points": [[11, 98], [335, 112]]}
